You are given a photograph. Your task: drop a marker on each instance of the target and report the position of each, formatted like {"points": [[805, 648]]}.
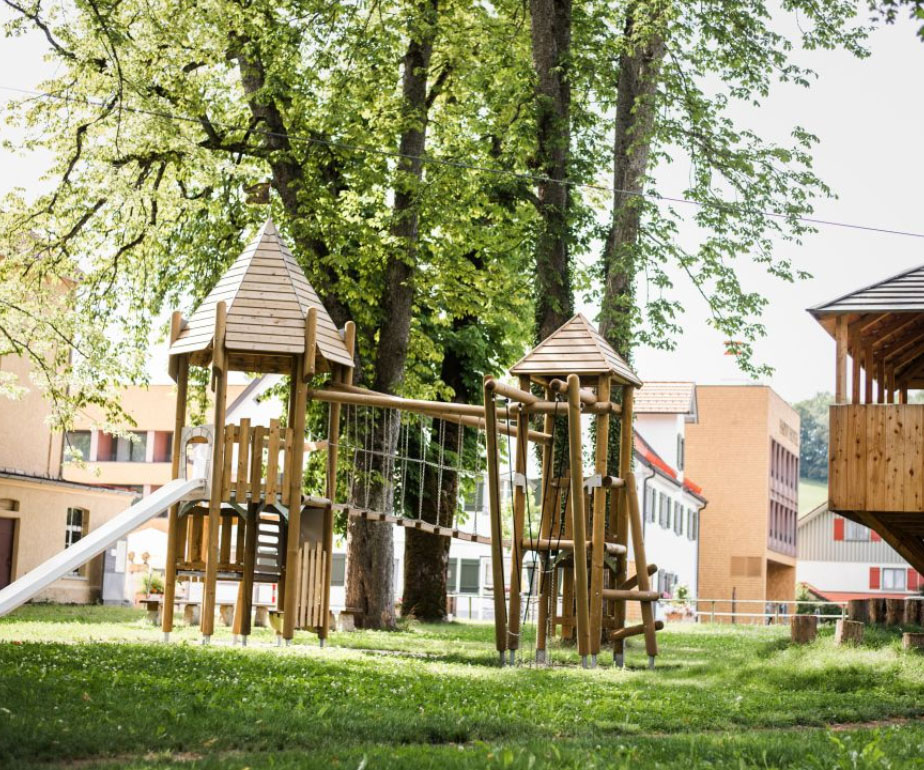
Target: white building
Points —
{"points": [[671, 502], [841, 560]]}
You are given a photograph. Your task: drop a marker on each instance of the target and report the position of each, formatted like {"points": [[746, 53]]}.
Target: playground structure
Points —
{"points": [[243, 515], [876, 444]]}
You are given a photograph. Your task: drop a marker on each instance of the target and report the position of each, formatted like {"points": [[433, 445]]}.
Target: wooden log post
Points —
{"points": [[546, 589], [620, 517], [641, 567], [220, 382], [598, 524], [577, 516], [911, 615], [803, 629], [895, 612], [497, 529], [840, 336], [877, 611], [173, 517], [858, 610], [295, 462], [519, 511], [912, 641], [343, 374], [848, 632]]}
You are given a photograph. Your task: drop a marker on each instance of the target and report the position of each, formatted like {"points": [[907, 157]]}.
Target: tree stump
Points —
{"points": [[803, 629], [261, 617], [895, 612], [913, 641], [912, 613], [858, 610], [877, 611], [848, 632], [191, 614], [226, 611]]}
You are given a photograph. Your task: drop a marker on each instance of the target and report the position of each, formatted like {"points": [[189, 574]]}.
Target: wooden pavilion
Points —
{"points": [[876, 447]]}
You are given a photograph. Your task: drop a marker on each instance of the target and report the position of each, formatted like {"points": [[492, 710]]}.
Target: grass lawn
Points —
{"points": [[92, 687], [811, 494]]}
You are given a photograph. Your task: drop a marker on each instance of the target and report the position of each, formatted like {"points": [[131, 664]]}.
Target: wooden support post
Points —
{"points": [[497, 529], [598, 528], [577, 515], [641, 565], [868, 373], [880, 381], [173, 520], [295, 458], [311, 336], [619, 507], [220, 379], [344, 375], [249, 565], [519, 512], [840, 336], [855, 377], [546, 589]]}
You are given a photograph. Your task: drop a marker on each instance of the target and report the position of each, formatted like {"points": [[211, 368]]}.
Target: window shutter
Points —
{"points": [[912, 579], [838, 528], [874, 577], [874, 536]]}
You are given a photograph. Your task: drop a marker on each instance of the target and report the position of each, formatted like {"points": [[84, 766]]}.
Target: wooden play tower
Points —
{"points": [[253, 523], [585, 522], [876, 444]]}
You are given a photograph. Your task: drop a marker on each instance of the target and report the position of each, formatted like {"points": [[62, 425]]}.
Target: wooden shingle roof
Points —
{"points": [[900, 293], [666, 398], [267, 298], [575, 348]]}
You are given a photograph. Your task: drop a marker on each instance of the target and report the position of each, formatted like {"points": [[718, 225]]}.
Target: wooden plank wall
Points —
{"points": [[312, 565], [876, 453]]}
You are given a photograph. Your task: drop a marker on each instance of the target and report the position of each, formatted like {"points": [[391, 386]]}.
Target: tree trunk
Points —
{"points": [[370, 587], [426, 556], [551, 51]]}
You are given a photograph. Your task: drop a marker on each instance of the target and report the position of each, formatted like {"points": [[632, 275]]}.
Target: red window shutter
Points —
{"points": [[874, 577], [838, 528], [874, 536], [912, 579]]}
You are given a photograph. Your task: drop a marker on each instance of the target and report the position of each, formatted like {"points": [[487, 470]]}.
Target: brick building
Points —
{"points": [[744, 450]]}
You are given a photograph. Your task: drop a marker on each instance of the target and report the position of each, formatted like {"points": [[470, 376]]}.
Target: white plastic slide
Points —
{"points": [[96, 542]]}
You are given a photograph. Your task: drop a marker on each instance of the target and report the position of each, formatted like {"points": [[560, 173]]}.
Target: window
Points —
{"points": [[468, 576], [452, 576], [77, 444], [692, 524], [74, 529], [651, 497], [474, 499], [664, 515], [123, 449], [338, 569], [893, 579], [163, 446], [667, 581], [854, 531], [680, 452], [678, 518]]}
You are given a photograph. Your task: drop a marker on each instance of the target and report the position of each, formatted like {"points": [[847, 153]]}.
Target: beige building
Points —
{"points": [[40, 512], [744, 449]]}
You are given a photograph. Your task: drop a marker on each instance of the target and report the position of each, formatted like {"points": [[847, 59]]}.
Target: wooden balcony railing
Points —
{"points": [[876, 458]]}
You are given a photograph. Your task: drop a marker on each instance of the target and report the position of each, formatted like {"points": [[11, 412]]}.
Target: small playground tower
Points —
{"points": [[585, 521], [253, 523], [876, 446]]}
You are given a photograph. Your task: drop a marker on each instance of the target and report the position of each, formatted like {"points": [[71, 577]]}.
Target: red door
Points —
{"points": [[6, 551]]}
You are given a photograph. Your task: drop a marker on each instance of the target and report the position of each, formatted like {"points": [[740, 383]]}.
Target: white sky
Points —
{"points": [[870, 126]]}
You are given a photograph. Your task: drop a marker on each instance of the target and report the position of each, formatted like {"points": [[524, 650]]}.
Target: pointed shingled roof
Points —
{"points": [[900, 293], [267, 297], [575, 348]]}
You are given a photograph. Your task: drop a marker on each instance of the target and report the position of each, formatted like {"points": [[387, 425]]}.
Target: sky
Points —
{"points": [[870, 126]]}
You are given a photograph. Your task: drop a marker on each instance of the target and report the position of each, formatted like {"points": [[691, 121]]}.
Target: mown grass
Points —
{"points": [[92, 684]]}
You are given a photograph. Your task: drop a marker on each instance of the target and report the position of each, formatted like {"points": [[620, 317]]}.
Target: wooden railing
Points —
{"points": [[876, 457], [258, 470]]}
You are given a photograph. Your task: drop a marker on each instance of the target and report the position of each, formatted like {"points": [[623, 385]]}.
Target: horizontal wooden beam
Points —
{"points": [[623, 633], [511, 392], [551, 544]]}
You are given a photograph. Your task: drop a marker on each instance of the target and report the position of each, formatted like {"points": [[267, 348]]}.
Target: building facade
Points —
{"points": [[671, 502], [744, 450], [840, 559], [40, 512]]}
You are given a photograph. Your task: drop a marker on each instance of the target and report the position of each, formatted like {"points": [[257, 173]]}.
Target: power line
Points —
{"points": [[458, 164]]}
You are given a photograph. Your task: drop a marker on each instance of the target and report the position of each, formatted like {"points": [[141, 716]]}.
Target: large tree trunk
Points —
{"points": [[370, 591], [551, 49], [639, 68], [426, 556]]}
